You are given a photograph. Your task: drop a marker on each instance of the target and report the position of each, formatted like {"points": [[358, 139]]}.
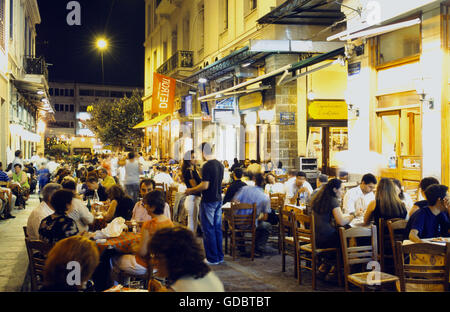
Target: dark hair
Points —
{"points": [[155, 199], [399, 184], [426, 182], [115, 192], [369, 178], [148, 182], [343, 174], [267, 177], [253, 161], [17, 153], [323, 178], [182, 253], [324, 200], [92, 179], [60, 199], [164, 169], [131, 155], [18, 165], [435, 192], [69, 184], [259, 179], [238, 172], [389, 204], [280, 165], [236, 161], [90, 168], [301, 174]]}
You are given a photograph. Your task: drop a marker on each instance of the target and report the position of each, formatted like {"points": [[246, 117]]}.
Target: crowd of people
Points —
{"points": [[127, 185]]}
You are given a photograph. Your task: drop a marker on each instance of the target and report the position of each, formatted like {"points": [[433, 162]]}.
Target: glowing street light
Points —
{"points": [[102, 45]]}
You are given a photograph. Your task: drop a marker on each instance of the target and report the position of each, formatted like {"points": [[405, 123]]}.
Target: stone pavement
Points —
{"points": [[13, 253], [261, 275]]}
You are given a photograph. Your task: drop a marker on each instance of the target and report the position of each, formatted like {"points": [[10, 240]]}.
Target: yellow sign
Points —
{"points": [[251, 100], [327, 110]]}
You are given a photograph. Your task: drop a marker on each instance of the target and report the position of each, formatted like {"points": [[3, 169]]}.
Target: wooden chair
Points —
{"points": [[276, 204], [242, 222], [305, 246], [37, 254], [364, 255], [25, 231], [287, 237], [170, 199], [396, 229], [384, 240], [423, 274]]}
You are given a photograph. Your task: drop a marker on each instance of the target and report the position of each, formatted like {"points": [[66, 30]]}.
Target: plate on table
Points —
{"points": [[438, 240]]}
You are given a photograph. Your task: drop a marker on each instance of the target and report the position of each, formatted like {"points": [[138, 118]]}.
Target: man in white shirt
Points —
{"points": [[42, 211], [164, 177], [52, 165], [358, 198], [297, 187]]}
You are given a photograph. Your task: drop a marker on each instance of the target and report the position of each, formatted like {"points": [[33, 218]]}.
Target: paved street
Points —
{"points": [[262, 274]]}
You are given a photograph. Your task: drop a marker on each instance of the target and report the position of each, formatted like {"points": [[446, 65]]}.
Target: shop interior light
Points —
{"points": [[202, 80], [40, 92], [311, 95], [247, 64]]}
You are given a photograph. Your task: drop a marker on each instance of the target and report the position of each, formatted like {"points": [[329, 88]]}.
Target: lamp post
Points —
{"points": [[102, 45]]}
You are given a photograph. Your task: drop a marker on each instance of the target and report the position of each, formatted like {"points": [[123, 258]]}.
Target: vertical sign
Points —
{"points": [[163, 94]]}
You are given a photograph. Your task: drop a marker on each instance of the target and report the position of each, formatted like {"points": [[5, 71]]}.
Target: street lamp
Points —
{"points": [[102, 45]]}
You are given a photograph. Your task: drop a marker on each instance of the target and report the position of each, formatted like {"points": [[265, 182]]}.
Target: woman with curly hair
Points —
{"points": [[178, 257]]}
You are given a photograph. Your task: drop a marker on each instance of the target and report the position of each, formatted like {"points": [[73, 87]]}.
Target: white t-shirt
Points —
{"points": [[355, 198], [275, 188], [81, 215], [209, 283], [291, 188], [34, 220], [163, 177]]}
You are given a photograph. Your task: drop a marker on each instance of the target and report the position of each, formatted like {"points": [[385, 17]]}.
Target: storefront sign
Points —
{"points": [[163, 94], [327, 110], [354, 68], [223, 115], [287, 118], [252, 100]]}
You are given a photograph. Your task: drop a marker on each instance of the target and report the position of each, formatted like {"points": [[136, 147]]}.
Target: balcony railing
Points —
{"points": [[181, 59], [36, 66]]}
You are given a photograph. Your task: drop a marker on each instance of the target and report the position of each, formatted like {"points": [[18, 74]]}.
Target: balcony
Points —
{"points": [[178, 65], [36, 66], [167, 7]]}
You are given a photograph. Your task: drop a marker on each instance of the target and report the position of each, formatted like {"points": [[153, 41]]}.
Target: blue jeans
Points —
{"points": [[211, 219]]}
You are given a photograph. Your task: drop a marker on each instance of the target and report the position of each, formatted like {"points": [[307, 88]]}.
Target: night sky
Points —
{"points": [[72, 51]]}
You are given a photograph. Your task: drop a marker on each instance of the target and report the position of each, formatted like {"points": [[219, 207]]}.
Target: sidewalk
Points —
{"points": [[13, 253]]}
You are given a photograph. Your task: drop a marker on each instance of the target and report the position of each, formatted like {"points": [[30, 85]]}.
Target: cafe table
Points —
{"points": [[120, 288], [123, 243]]}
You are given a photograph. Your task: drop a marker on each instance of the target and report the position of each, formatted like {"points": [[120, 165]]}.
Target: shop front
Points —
{"points": [[249, 105]]}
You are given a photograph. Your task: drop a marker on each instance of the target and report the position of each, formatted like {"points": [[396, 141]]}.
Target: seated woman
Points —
{"points": [[20, 186], [405, 197], [178, 257], [272, 186], [327, 214], [121, 205], [75, 248], [58, 225], [137, 264], [387, 204], [80, 213]]}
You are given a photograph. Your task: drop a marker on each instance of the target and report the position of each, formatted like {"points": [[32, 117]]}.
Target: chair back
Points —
{"points": [[25, 231], [276, 201], [37, 254], [170, 198], [286, 221], [303, 228], [423, 274], [396, 229], [358, 254], [384, 242], [243, 217]]}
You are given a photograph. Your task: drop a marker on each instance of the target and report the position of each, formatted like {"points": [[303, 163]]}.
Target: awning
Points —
{"points": [[151, 122], [283, 70]]}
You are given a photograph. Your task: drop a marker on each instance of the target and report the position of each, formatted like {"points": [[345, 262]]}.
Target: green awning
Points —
{"points": [[317, 59]]}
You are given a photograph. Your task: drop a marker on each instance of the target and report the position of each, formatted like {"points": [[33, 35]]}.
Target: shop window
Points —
{"points": [[57, 107], [397, 45]]}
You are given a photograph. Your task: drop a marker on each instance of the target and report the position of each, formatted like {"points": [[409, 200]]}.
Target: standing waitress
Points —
{"points": [[191, 178]]}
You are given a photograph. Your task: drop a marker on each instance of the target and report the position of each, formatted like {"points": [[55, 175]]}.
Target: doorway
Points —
{"points": [[325, 140]]}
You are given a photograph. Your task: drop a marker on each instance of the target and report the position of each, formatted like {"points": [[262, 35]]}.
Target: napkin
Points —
{"points": [[113, 229]]}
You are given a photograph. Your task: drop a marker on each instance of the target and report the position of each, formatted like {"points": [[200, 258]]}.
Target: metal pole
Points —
{"points": [[103, 70]]}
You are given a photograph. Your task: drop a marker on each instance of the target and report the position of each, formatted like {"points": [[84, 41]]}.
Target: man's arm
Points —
{"points": [[199, 188], [348, 204], [414, 236]]}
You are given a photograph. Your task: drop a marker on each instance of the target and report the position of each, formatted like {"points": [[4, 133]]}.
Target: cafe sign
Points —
{"points": [[327, 110], [163, 94]]}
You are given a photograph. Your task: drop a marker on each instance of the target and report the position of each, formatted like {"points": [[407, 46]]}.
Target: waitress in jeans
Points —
{"points": [[191, 178], [132, 171], [211, 205]]}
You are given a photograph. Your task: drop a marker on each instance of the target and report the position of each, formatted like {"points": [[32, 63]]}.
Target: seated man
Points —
{"points": [[357, 199], [7, 198], [235, 186], [107, 180], [42, 211], [255, 195], [432, 221], [164, 177], [93, 185], [140, 214], [298, 188]]}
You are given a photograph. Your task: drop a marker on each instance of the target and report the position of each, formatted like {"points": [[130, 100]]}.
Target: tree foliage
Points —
{"points": [[113, 121]]}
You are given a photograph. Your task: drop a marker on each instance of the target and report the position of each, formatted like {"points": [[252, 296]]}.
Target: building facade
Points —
{"points": [[71, 101], [25, 105], [219, 45]]}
